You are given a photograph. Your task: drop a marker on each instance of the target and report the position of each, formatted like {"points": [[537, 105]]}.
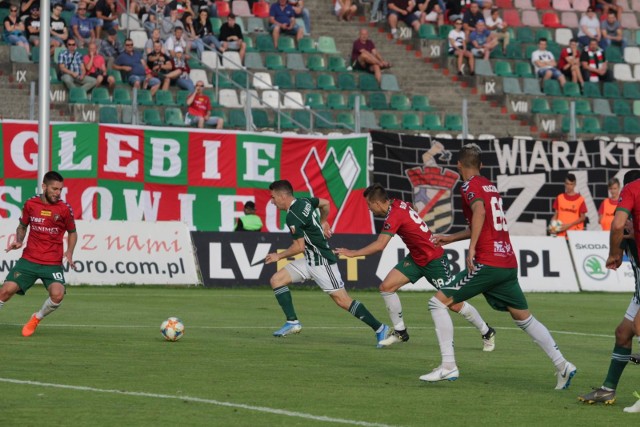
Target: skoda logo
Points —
{"points": [[595, 267]]}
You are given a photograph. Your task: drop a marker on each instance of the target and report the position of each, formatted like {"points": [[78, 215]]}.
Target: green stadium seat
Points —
{"points": [[302, 118], [274, 62], [352, 102], [583, 107], [523, 69], [77, 95], [432, 122], [240, 78], [540, 106], [287, 44], [181, 97], [503, 69], [631, 90], [286, 122], [636, 108], [237, 119], [614, 55], [421, 103], [631, 125], [378, 101], [122, 96], [307, 45], [591, 125], [529, 49], [389, 83], [368, 82], [532, 87], [611, 90], [336, 101], [314, 100], [611, 125], [173, 117], [116, 75], [512, 86], [261, 119], [560, 106], [304, 81], [144, 97], [621, 107], [346, 120], [444, 30], [295, 62], [35, 54], [165, 97], [566, 124], [389, 121], [337, 63], [327, 44], [347, 81], [282, 79], [544, 33], [601, 107], [525, 35], [53, 75], [411, 121], [324, 120], [18, 54], [428, 32], [264, 43], [514, 50], [551, 88], [216, 23], [591, 90], [151, 117], [108, 114], [400, 102], [453, 122], [100, 95], [224, 80], [316, 63], [572, 90], [326, 82]]}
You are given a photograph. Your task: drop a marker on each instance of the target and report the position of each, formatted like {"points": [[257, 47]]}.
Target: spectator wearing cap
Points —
{"points": [[179, 72], [282, 19], [199, 110], [249, 221], [58, 28], [32, 25], [106, 16], [402, 10], [135, 69], [83, 27], [231, 37]]}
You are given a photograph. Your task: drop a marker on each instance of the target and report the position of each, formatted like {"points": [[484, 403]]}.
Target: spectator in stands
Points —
{"points": [[482, 41], [141, 9], [365, 56], [25, 7], [96, 67], [570, 208], [608, 206], [403, 10], [157, 13], [302, 12], [282, 19], [609, 6], [199, 111], [151, 41], [67, 5], [249, 221], [83, 27], [169, 24], [498, 28], [106, 16], [111, 47], [430, 11], [204, 30], [470, 17], [91, 7], [135, 70], [611, 32], [569, 62], [589, 28], [458, 47], [182, 6], [545, 64], [32, 25], [344, 10], [454, 8], [231, 37], [594, 64], [72, 70], [14, 30], [177, 39], [179, 72], [159, 62], [59, 33], [190, 35]]}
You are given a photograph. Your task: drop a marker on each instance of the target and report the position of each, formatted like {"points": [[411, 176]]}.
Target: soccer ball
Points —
{"points": [[172, 329], [554, 226]]}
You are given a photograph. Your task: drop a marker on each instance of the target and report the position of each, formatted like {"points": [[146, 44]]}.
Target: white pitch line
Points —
{"points": [[199, 400]]}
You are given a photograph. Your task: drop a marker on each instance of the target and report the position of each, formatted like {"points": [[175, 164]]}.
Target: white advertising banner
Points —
{"points": [[121, 252], [544, 263], [590, 250]]}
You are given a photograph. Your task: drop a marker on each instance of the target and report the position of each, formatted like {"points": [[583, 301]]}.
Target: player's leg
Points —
{"points": [[294, 272], [635, 358], [406, 271], [8, 290], [53, 278], [18, 281], [438, 308], [619, 359], [330, 281]]}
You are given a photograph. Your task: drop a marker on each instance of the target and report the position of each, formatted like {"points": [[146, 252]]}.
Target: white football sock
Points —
{"points": [[394, 307], [444, 331], [470, 313], [1, 304], [543, 338], [47, 308]]}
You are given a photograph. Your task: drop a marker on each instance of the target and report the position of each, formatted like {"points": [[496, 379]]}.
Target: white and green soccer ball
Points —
{"points": [[172, 329], [554, 226]]}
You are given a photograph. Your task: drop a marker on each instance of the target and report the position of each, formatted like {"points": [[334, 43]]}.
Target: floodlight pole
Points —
{"points": [[44, 101]]}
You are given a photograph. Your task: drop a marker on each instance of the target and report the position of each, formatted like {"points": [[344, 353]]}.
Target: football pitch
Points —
{"points": [[100, 360]]}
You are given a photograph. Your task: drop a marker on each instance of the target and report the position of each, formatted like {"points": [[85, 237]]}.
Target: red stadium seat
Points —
{"points": [[542, 4], [223, 9], [512, 18], [261, 9], [505, 4], [551, 20]]}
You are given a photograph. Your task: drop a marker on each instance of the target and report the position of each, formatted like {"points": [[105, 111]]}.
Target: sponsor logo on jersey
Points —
{"points": [[45, 213], [433, 189]]}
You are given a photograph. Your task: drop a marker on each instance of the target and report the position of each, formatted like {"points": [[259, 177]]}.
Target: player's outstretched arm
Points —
{"points": [[72, 239], [444, 239], [297, 247], [21, 232], [370, 249], [325, 208]]}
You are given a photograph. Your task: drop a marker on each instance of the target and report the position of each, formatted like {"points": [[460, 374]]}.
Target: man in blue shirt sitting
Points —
{"points": [[135, 69], [282, 19]]}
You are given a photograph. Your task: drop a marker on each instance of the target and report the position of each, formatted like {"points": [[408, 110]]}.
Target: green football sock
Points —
{"points": [[619, 359], [283, 295], [360, 311]]}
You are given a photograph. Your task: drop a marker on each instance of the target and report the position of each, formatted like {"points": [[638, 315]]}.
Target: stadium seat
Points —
{"points": [[122, 96], [581, 5], [400, 102], [216, 23], [378, 101], [165, 97], [563, 36], [444, 30], [196, 75], [336, 101], [237, 119], [264, 43], [346, 120], [432, 122], [631, 125], [389, 83], [514, 50], [100, 95], [560, 106], [223, 8], [239, 77], [623, 73], [611, 125], [504, 4], [525, 35], [130, 22], [241, 8], [453, 122], [253, 61], [256, 25], [512, 18], [108, 114], [591, 90], [428, 32], [420, 103], [389, 121], [327, 44], [347, 81], [636, 107], [483, 68], [551, 20], [632, 55], [18, 54], [295, 61], [591, 125], [261, 119], [35, 54], [566, 124], [572, 90], [173, 117], [569, 19], [631, 90], [551, 88], [282, 79], [583, 107], [229, 98], [316, 63], [523, 69], [531, 87], [530, 18], [635, 5], [628, 20], [503, 69], [621, 107], [151, 117], [78, 95], [540, 106], [324, 120], [411, 121], [352, 101], [260, 9], [544, 33], [326, 82], [542, 4], [139, 38], [210, 59], [230, 61], [53, 75], [181, 98], [222, 80], [253, 96], [562, 5], [315, 101], [284, 121], [523, 4], [307, 45], [368, 120], [614, 55], [302, 118], [611, 90], [274, 62], [368, 82], [293, 101], [261, 80], [512, 86], [304, 81], [601, 107], [337, 63], [286, 44]]}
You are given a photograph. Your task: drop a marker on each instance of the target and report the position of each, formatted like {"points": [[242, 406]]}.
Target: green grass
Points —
{"points": [[108, 339]]}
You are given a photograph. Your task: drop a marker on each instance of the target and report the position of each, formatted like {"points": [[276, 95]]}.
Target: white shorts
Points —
{"points": [[326, 276], [632, 310]]}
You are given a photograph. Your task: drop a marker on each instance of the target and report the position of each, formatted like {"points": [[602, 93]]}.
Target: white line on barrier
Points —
{"points": [[199, 400]]}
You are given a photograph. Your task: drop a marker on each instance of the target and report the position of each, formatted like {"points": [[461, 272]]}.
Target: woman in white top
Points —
{"points": [[344, 10], [458, 47], [589, 27]]}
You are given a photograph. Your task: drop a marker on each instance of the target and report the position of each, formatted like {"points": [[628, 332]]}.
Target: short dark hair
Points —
{"points": [[470, 156], [542, 39], [376, 192], [282, 186], [231, 16], [52, 176], [631, 176], [570, 177], [573, 40], [613, 181], [250, 205]]}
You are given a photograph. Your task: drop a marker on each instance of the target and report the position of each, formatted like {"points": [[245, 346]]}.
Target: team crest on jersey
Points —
{"points": [[433, 189], [45, 213], [387, 226], [56, 217]]}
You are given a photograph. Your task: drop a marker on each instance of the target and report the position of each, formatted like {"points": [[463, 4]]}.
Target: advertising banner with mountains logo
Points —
{"points": [[199, 177]]}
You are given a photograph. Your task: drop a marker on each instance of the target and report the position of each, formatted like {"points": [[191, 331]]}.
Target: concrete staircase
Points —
{"points": [[421, 76]]}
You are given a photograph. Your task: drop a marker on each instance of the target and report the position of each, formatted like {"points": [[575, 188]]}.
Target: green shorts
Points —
{"points": [[499, 286], [437, 272], [25, 273]]}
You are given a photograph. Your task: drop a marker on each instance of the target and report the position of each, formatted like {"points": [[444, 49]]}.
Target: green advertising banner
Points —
{"points": [[199, 177]]}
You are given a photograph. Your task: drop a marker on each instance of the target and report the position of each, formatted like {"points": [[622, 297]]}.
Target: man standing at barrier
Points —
{"points": [[307, 220], [628, 206], [492, 270], [423, 260], [49, 218], [570, 208]]}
